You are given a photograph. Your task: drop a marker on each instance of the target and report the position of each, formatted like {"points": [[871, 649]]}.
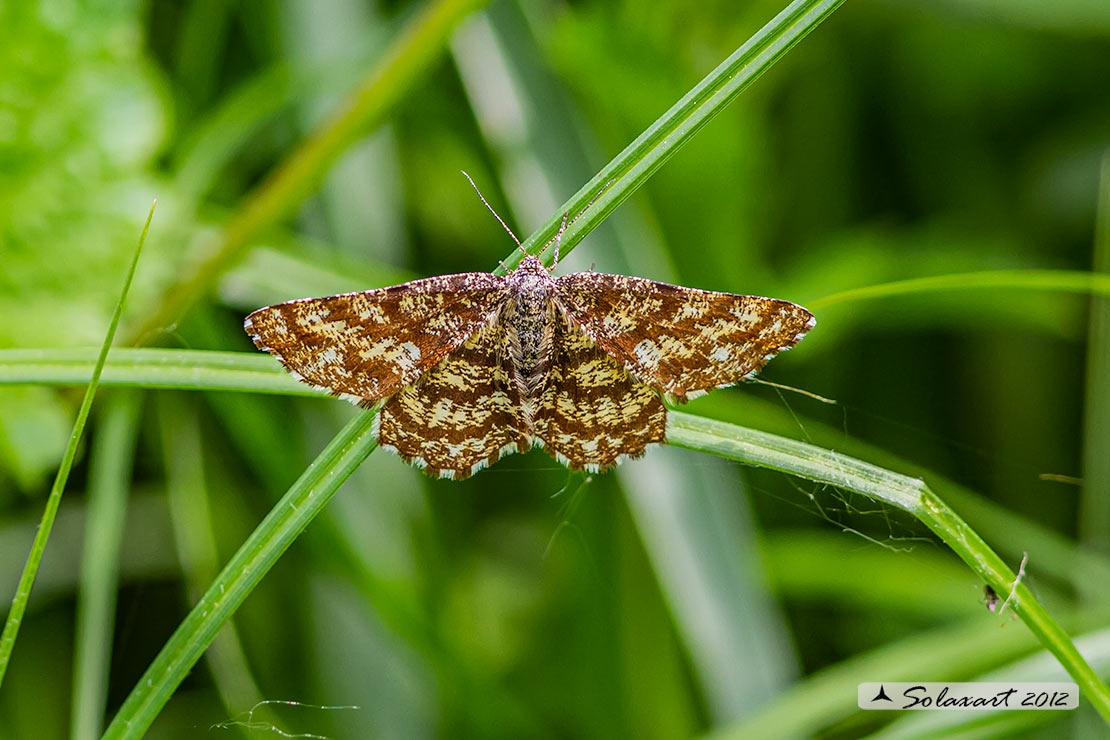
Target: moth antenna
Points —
{"points": [[594, 200], [503, 224], [559, 241], [566, 223], [792, 389]]}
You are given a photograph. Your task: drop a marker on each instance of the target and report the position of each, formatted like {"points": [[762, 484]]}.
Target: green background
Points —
{"points": [[680, 595]]}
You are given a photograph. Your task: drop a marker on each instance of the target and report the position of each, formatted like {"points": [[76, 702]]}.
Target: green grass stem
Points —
{"points": [[1094, 503], [909, 494], [1066, 281], [295, 178], [27, 579], [187, 495], [299, 506], [630, 169], [152, 368], [1056, 554], [956, 652], [203, 370], [727, 440]]}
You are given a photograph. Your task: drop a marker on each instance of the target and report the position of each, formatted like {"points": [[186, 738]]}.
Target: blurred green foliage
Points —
{"points": [[902, 139]]}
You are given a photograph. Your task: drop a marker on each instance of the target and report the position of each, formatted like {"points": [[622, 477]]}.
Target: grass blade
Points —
{"points": [[1039, 666], [632, 167], [256, 373], [153, 368], [304, 500], [1056, 555], [27, 580], [909, 494], [227, 372], [1094, 505], [957, 652], [187, 495], [693, 524], [1064, 281], [698, 530]]}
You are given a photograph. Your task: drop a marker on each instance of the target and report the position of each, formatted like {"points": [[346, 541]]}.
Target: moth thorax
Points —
{"points": [[530, 330]]}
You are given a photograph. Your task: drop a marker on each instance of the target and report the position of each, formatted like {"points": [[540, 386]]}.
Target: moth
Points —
{"points": [[470, 367]]}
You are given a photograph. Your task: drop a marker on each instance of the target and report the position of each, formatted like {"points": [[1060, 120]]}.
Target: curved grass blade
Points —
{"points": [[1067, 281], [909, 494], [697, 544], [1057, 556], [791, 26], [635, 165], [304, 500], [956, 652], [27, 580], [749, 446], [295, 178], [970, 650], [1039, 666], [256, 373]]}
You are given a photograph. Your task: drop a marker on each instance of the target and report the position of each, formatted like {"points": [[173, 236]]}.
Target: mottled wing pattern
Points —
{"points": [[592, 413], [678, 340], [461, 416], [367, 346]]}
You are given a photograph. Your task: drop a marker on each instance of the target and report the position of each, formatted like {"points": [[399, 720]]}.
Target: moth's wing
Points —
{"points": [[592, 412], [681, 341], [367, 346], [461, 416]]}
